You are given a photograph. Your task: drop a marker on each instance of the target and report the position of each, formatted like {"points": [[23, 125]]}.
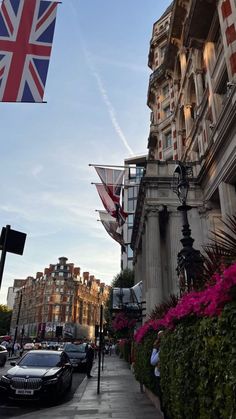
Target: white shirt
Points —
{"points": [[154, 361]]}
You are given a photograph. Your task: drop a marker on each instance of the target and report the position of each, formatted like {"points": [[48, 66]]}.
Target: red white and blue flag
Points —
{"points": [[113, 180], [26, 36], [114, 209]]}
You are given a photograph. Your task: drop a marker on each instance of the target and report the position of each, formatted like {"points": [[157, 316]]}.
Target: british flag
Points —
{"points": [[26, 35], [112, 179]]}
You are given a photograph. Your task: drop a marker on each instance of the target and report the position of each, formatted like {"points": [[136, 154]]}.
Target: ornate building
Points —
{"points": [[59, 297], [192, 97]]}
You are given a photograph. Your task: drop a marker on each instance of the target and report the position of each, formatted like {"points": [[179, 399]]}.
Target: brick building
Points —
{"points": [[60, 296]]}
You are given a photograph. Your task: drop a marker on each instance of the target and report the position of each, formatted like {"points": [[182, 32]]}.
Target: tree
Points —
{"points": [[5, 319], [125, 279]]}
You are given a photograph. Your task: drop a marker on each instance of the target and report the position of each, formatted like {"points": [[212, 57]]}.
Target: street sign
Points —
{"points": [[15, 241]]}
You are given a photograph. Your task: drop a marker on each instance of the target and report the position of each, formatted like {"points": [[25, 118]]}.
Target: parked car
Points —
{"points": [[3, 355], [28, 346], [38, 374], [77, 354], [50, 345]]}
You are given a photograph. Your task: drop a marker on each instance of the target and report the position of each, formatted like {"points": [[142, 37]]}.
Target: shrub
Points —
{"points": [[198, 348], [198, 367]]}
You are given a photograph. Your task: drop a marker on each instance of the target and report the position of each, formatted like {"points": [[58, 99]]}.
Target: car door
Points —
{"points": [[67, 369]]}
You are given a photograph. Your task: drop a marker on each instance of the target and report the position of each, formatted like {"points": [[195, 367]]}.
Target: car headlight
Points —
{"points": [[83, 361], [51, 381], [5, 379]]}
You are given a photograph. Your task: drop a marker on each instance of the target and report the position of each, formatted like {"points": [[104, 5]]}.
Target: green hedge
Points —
{"points": [[125, 350], [198, 367]]}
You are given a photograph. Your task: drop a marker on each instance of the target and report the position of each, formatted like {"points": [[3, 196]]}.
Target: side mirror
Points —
{"points": [[13, 363]]}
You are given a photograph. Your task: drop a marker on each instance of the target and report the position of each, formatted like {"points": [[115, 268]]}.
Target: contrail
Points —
{"points": [[103, 93], [111, 112]]}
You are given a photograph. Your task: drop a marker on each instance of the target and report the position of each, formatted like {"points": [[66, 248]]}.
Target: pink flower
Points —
{"points": [[209, 302]]}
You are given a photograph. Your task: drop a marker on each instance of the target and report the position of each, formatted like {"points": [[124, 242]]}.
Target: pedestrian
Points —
{"points": [[155, 361], [10, 348], [90, 358], [15, 348]]}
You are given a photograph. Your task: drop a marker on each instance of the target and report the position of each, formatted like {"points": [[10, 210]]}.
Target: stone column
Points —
{"points": [[153, 259], [227, 199], [188, 118], [199, 86]]}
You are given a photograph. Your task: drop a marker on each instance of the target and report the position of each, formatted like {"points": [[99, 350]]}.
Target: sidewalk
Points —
{"points": [[119, 397]]}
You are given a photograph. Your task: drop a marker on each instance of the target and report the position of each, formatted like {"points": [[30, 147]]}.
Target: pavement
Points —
{"points": [[120, 397]]}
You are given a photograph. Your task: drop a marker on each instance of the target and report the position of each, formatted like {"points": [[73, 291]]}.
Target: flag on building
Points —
{"points": [[112, 179], [112, 227], [113, 208], [26, 36]]}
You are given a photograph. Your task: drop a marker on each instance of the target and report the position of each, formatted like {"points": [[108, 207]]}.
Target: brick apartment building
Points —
{"points": [[60, 296]]}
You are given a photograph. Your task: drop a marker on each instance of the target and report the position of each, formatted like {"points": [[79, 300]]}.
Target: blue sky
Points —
{"points": [[96, 112]]}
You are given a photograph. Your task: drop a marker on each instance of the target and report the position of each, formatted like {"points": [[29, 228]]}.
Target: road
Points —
{"points": [[14, 409]]}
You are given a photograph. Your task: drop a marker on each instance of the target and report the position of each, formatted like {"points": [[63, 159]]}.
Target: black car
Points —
{"points": [[38, 374], [3, 355], [77, 355]]}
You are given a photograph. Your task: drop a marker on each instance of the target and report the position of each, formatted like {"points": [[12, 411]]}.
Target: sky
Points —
{"points": [[95, 113]]}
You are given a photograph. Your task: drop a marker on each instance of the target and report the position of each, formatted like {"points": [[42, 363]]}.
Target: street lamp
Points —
{"points": [[189, 260]]}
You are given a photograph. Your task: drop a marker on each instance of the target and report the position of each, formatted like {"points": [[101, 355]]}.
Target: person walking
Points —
{"points": [[90, 358], [155, 361]]}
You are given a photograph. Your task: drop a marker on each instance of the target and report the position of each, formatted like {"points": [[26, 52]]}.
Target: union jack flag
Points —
{"points": [[26, 35], [113, 208], [112, 179]]}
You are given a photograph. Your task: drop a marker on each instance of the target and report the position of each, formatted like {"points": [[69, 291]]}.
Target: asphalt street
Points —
{"points": [[15, 409]]}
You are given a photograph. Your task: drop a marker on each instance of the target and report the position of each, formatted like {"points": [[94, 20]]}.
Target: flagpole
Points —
{"points": [[121, 184], [123, 167]]}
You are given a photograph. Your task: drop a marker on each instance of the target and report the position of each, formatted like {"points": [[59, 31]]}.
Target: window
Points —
{"points": [[130, 220], [130, 252], [60, 274], [162, 51], [167, 139], [167, 111], [165, 90]]}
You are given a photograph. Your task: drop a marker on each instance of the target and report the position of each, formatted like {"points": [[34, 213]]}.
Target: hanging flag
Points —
{"points": [[112, 227], [112, 180], [114, 209], [26, 36]]}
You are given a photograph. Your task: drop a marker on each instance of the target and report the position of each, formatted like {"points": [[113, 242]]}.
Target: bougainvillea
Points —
{"points": [[121, 322], [209, 302]]}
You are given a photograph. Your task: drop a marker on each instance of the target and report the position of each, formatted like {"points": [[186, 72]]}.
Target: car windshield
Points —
{"points": [[40, 360], [71, 347]]}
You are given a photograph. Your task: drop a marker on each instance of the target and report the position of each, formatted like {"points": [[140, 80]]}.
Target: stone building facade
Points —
{"points": [[192, 97], [60, 296]]}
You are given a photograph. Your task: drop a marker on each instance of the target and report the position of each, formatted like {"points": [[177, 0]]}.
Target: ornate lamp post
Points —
{"points": [[189, 260]]}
